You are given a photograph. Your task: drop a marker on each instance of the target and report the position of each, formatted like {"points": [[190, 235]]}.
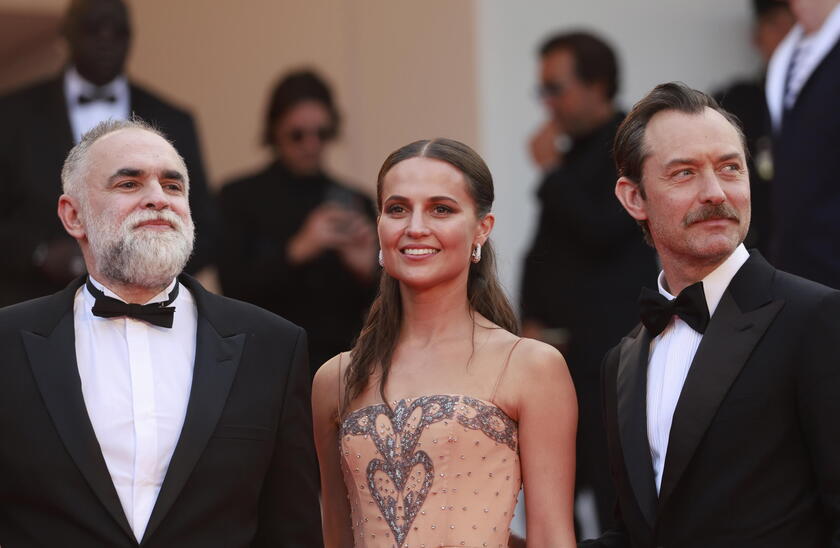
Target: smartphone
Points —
{"points": [[344, 198]]}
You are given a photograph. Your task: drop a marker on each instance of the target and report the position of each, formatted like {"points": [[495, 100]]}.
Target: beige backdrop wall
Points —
{"points": [[401, 71]]}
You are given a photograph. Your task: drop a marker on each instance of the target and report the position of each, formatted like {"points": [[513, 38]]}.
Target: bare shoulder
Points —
{"points": [[536, 359], [539, 377], [331, 369], [327, 384], [527, 357], [535, 373], [524, 349]]}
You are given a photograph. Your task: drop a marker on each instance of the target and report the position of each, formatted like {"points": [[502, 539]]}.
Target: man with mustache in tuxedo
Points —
{"points": [[721, 406]]}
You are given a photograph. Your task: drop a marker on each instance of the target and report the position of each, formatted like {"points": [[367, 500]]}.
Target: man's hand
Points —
{"points": [[543, 145]]}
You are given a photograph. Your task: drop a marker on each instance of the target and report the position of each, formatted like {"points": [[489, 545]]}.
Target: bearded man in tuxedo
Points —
{"points": [[42, 122], [136, 408], [721, 407]]}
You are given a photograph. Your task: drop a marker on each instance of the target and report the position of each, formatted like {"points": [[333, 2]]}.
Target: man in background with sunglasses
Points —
{"points": [[296, 241], [586, 262]]}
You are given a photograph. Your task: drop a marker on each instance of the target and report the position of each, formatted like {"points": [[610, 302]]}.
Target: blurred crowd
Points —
{"points": [[295, 239]]}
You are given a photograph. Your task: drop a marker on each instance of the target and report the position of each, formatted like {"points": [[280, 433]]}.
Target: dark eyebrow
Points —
{"points": [[173, 175], [689, 161], [679, 161], [126, 172], [730, 156], [169, 174], [398, 198]]}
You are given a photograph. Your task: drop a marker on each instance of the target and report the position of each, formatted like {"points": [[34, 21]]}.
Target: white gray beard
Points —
{"points": [[141, 257]]}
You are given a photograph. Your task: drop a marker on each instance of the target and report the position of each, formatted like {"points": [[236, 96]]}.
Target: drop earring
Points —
{"points": [[381, 259], [476, 254]]}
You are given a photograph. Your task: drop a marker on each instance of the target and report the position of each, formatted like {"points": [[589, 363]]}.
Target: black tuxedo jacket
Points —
{"points": [[35, 137], [243, 472], [753, 459]]}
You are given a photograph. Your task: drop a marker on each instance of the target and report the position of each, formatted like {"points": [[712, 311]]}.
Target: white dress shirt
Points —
{"points": [[136, 380], [671, 354], [83, 117], [809, 51]]}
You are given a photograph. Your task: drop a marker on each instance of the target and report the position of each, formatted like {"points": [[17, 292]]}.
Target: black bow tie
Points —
{"points": [[160, 314], [690, 305], [97, 94]]}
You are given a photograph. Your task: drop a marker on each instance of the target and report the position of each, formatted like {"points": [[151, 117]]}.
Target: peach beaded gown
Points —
{"points": [[433, 471]]}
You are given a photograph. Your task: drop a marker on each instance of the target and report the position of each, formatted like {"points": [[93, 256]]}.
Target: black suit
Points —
{"points": [[753, 459], [35, 138], [806, 190], [243, 472]]}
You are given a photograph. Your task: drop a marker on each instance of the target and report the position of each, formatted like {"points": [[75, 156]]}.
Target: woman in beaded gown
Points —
{"points": [[428, 427]]}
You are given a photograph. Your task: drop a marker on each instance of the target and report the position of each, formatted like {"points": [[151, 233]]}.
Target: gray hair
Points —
{"points": [[75, 165]]}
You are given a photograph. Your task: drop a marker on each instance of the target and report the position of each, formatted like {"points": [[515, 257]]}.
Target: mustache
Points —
{"points": [[710, 212], [135, 218]]}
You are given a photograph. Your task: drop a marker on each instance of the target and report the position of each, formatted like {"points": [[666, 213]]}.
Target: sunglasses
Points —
{"points": [[323, 134]]}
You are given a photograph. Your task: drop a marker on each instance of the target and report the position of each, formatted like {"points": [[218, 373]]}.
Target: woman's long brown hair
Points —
{"points": [[375, 345]]}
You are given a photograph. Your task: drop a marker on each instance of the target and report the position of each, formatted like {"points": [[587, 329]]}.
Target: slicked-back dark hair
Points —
{"points": [[595, 60], [629, 148], [376, 343]]}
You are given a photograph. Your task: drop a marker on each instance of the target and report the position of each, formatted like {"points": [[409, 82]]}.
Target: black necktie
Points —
{"points": [[160, 314], [690, 305], [97, 94]]}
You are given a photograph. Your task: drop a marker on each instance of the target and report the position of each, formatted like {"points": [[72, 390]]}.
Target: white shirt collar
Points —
{"points": [[820, 43], [160, 297], [716, 282], [75, 85]]}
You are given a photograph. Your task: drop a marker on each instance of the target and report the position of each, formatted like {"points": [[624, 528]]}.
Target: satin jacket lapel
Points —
{"points": [[52, 357], [728, 342], [216, 361], [631, 387]]}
